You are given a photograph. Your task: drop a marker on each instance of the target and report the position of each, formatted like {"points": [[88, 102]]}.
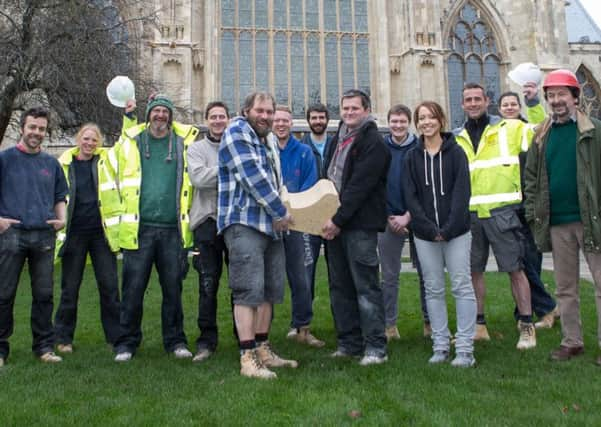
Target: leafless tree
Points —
{"points": [[64, 52]]}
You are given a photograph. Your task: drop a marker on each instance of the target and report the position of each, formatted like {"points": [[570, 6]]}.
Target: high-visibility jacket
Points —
{"points": [[130, 179], [109, 201], [495, 166]]}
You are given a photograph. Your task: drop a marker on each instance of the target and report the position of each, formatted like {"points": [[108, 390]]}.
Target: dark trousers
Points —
{"points": [[209, 264], [37, 247], [163, 248], [313, 244], [355, 292], [542, 303], [77, 246]]}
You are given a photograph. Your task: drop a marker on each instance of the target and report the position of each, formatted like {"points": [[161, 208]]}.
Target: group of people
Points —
{"points": [[517, 184]]}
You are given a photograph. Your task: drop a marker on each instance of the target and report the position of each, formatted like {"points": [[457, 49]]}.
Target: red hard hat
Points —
{"points": [[561, 78]]}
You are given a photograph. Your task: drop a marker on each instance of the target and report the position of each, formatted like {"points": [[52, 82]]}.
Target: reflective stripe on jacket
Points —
{"points": [[495, 167], [109, 201], [130, 180]]}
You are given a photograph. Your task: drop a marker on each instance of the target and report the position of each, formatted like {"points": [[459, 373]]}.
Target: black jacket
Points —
{"points": [[437, 190], [363, 189]]}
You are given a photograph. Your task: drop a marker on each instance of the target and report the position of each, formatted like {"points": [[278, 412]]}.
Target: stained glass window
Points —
{"points": [[302, 51], [590, 93], [474, 59]]}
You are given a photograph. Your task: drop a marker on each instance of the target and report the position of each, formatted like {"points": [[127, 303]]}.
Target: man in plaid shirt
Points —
{"points": [[251, 217]]}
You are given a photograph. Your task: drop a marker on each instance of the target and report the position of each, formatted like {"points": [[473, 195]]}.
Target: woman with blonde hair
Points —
{"points": [[93, 210]]}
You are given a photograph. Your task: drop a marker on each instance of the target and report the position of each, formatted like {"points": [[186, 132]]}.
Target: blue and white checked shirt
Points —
{"points": [[249, 179]]}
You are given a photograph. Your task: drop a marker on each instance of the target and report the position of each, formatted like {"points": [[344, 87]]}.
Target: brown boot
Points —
{"points": [[527, 336], [392, 333], [547, 321], [271, 360], [305, 336], [251, 366], [481, 333]]}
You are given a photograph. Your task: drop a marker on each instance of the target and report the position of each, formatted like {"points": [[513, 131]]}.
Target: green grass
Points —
{"points": [[506, 388]]}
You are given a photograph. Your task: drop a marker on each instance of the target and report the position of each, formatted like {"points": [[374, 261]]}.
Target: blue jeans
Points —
{"points": [[37, 247], [104, 262], [313, 247], [298, 278], [542, 303], [355, 292], [163, 248], [209, 264]]}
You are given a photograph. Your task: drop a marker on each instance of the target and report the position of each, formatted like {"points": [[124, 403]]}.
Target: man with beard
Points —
{"points": [[299, 173], [252, 217], [151, 160], [318, 140], [563, 196], [493, 146], [357, 163], [33, 191], [203, 165]]}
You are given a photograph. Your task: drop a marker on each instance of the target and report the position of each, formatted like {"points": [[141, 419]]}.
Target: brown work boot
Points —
{"points": [[251, 366], [563, 353], [547, 321], [305, 336], [427, 330], [481, 332], [271, 360], [527, 336], [392, 333]]}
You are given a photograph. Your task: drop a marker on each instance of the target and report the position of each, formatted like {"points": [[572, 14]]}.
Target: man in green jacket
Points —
{"points": [[563, 196]]}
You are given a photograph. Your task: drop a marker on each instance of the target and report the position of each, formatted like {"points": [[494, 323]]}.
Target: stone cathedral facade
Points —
{"points": [[406, 51]]}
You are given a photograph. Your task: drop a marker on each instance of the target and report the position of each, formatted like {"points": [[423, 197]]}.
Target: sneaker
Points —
{"points": [[339, 354], [427, 330], [481, 332], [305, 336], [547, 321], [292, 333], [251, 366], [50, 357], [64, 348], [463, 360], [123, 356], [439, 357], [392, 333], [182, 353], [271, 360], [372, 359], [201, 355], [527, 336]]}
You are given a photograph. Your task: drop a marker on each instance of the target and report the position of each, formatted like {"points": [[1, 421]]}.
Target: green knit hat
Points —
{"points": [[162, 101]]}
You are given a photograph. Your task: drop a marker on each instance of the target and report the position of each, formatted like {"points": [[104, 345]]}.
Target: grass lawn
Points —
{"points": [[507, 387]]}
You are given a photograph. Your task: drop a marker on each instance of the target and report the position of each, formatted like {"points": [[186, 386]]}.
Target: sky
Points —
{"points": [[593, 8]]}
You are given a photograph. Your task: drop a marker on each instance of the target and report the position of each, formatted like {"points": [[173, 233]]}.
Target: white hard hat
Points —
{"points": [[525, 73], [120, 90]]}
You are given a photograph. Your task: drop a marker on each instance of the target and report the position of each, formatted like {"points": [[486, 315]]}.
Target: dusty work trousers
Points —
{"points": [[567, 240]]}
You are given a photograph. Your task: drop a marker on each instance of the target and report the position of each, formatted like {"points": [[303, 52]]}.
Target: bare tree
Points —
{"points": [[64, 52]]}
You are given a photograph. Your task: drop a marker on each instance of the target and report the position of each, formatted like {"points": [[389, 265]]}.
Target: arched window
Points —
{"points": [[591, 94], [474, 59], [302, 51]]}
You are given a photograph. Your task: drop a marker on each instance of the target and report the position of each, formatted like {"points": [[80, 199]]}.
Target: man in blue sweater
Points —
{"points": [[299, 173], [33, 191]]}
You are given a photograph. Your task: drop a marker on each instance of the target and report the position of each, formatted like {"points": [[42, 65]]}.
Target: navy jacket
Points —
{"points": [[437, 190], [395, 200]]}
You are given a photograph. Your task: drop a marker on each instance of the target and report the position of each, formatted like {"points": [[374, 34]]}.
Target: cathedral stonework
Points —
{"points": [[304, 51]]}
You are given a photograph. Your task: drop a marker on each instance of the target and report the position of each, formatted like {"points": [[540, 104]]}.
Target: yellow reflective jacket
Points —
{"points": [[109, 201], [129, 177], [495, 167]]}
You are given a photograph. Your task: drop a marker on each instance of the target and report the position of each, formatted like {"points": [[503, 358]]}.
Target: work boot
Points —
{"points": [[481, 332], [547, 321], [392, 333], [305, 336], [251, 366], [427, 330], [50, 357], [271, 360], [64, 348], [527, 336]]}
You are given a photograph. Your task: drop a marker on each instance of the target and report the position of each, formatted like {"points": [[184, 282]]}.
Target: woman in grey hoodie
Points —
{"points": [[437, 191]]}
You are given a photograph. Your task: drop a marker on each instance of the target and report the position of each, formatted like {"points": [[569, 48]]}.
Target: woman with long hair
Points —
{"points": [[437, 192]]}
